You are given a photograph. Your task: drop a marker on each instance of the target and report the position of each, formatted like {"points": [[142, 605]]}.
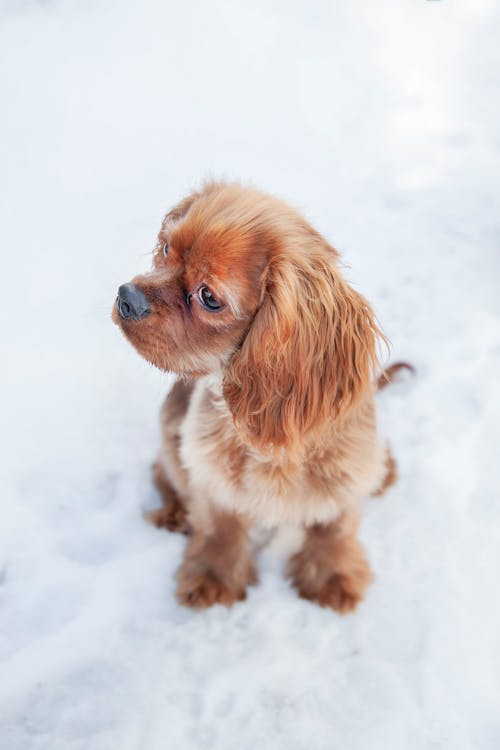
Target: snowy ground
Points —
{"points": [[381, 121]]}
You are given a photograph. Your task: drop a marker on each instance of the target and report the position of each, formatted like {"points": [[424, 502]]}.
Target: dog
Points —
{"points": [[272, 421]]}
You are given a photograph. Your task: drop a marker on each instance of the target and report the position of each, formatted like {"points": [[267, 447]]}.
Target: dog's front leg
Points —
{"points": [[331, 568], [217, 566]]}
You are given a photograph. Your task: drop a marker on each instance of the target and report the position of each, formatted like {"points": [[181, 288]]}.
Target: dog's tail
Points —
{"points": [[387, 376]]}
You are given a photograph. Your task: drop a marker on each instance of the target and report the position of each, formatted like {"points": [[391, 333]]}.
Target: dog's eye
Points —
{"points": [[207, 299], [165, 249]]}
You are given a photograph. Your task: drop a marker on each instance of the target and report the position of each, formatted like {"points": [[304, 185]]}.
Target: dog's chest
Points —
{"points": [[271, 491]]}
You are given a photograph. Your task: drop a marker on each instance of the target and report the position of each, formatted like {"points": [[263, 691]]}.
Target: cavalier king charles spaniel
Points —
{"points": [[272, 420]]}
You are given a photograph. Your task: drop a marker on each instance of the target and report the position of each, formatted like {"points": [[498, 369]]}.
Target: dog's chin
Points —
{"points": [[156, 353]]}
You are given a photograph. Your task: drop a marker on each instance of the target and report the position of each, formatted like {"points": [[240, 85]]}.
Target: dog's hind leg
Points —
{"points": [[172, 515], [169, 476]]}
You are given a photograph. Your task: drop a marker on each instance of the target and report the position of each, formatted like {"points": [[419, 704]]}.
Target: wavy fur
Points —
{"points": [[309, 355]]}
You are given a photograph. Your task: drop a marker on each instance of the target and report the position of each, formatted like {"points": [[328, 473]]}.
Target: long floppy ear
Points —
{"points": [[309, 355]]}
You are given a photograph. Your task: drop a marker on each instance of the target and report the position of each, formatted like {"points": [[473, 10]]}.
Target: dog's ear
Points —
{"points": [[309, 354]]}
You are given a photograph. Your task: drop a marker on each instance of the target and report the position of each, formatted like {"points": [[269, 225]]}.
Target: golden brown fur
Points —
{"points": [[217, 563], [331, 567], [273, 420]]}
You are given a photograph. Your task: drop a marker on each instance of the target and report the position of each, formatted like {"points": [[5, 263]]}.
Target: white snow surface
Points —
{"points": [[381, 122]]}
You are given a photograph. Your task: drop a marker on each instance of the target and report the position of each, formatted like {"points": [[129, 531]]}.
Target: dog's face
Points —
{"points": [[242, 286], [191, 311]]}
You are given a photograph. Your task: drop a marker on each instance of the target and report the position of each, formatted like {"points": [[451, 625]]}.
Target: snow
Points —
{"points": [[381, 121]]}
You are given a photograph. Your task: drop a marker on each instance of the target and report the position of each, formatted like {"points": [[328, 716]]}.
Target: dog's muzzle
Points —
{"points": [[132, 303]]}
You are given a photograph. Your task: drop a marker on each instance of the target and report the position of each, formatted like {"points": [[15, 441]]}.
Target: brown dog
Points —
{"points": [[273, 419]]}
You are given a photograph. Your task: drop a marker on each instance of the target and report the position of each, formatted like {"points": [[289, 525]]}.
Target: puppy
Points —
{"points": [[272, 421]]}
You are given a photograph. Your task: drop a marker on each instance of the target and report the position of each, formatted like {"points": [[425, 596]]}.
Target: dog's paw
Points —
{"points": [[172, 517], [200, 589], [342, 591]]}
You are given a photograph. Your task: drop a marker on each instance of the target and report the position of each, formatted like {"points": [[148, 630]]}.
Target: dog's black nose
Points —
{"points": [[132, 303]]}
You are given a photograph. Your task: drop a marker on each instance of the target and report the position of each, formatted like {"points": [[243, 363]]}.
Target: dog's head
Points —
{"points": [[243, 286]]}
